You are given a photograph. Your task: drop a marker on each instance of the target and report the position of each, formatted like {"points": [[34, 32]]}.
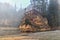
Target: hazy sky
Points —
{"points": [[19, 3]]}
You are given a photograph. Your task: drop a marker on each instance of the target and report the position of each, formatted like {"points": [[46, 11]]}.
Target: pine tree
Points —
{"points": [[52, 13]]}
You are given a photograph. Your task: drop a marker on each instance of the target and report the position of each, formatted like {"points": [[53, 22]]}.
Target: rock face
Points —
{"points": [[33, 21]]}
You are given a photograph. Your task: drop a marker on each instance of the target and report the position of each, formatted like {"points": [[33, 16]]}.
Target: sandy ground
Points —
{"points": [[49, 35], [6, 34]]}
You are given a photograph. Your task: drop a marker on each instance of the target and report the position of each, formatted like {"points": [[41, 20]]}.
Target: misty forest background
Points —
{"points": [[9, 17]]}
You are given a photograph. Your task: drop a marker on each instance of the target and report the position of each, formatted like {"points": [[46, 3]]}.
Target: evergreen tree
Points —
{"points": [[40, 5], [52, 13]]}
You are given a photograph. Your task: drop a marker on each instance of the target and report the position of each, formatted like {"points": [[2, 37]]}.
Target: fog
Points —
{"points": [[11, 12]]}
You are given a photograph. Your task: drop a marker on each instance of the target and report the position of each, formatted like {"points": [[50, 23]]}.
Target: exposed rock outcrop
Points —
{"points": [[33, 21]]}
